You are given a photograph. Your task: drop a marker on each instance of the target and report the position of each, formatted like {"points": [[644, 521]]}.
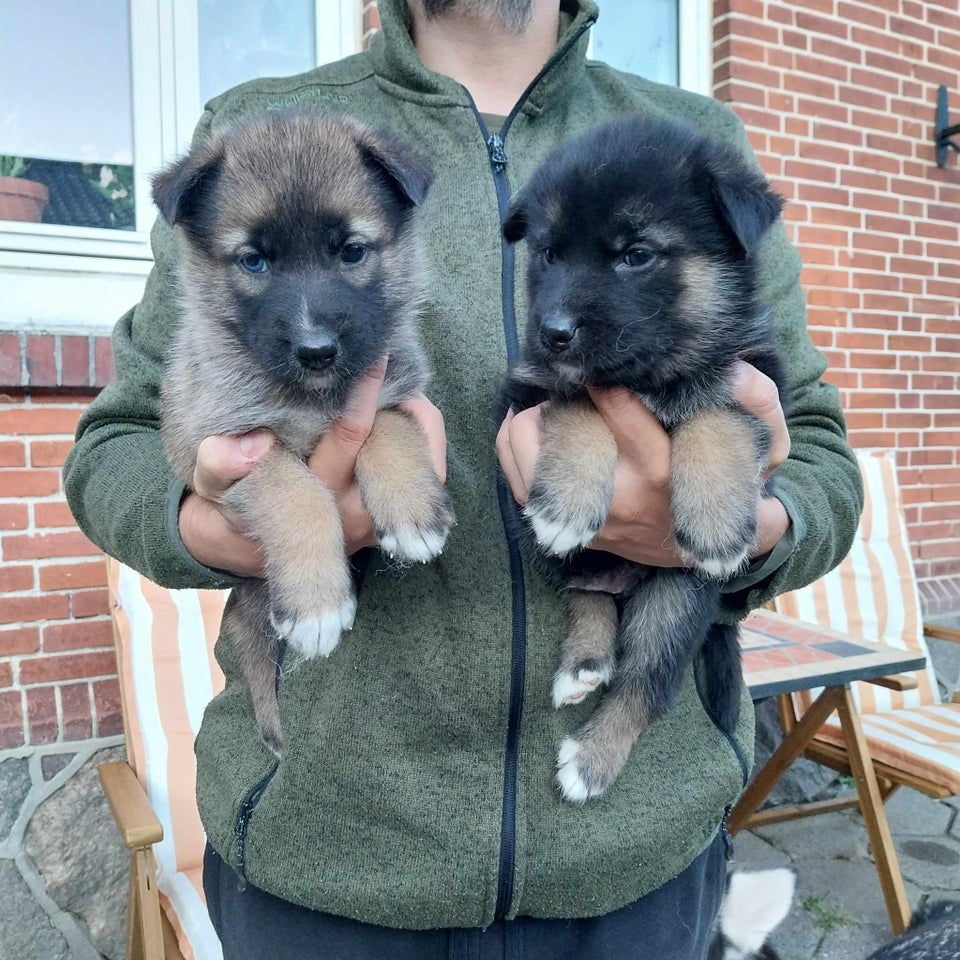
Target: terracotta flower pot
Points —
{"points": [[22, 199]]}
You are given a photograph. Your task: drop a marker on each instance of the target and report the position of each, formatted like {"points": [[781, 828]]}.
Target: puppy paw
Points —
{"points": [[317, 634], [590, 761], [719, 557], [420, 537], [576, 684], [559, 531]]}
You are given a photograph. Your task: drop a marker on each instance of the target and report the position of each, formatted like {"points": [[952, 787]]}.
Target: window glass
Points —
{"points": [[244, 39], [66, 127], [639, 36]]}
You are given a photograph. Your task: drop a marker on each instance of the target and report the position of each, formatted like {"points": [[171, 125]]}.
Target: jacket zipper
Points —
{"points": [[496, 149], [243, 822]]}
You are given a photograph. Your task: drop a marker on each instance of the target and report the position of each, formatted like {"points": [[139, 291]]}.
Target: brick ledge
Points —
{"points": [[54, 360]]}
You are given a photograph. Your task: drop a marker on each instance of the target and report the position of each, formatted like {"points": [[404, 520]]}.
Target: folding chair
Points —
{"points": [[168, 674], [912, 737]]}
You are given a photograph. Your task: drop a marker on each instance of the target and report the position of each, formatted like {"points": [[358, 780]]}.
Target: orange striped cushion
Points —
{"points": [[168, 674], [924, 741], [873, 593]]}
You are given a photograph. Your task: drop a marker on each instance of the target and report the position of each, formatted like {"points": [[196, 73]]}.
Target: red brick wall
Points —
{"points": [[57, 668], [838, 98]]}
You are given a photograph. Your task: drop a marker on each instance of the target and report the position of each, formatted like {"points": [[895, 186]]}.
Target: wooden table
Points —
{"points": [[782, 656]]}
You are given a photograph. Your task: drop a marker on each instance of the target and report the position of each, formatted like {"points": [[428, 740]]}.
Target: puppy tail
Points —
{"points": [[723, 675]]}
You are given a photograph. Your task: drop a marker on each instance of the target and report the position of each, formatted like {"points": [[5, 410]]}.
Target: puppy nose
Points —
{"points": [[557, 331], [317, 352]]}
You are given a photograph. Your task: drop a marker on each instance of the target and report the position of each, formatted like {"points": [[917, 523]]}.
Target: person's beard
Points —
{"points": [[513, 15]]}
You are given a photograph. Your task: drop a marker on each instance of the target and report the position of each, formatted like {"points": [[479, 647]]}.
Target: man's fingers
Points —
{"points": [[221, 461], [524, 434], [640, 437], [758, 394], [508, 462], [431, 420], [335, 455]]}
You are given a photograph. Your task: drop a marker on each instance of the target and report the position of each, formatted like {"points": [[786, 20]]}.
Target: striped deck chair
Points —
{"points": [[164, 641], [914, 739], [897, 727]]}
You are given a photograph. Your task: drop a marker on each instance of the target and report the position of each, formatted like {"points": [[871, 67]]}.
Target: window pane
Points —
{"points": [[244, 39], [640, 37], [65, 112]]}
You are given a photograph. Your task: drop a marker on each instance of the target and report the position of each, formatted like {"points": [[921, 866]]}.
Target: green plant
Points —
{"points": [[114, 182], [826, 917], [11, 166]]}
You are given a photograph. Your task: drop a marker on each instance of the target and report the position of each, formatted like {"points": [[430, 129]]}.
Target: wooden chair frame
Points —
{"points": [[150, 935], [875, 781]]}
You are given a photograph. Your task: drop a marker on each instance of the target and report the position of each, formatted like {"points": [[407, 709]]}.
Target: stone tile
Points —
{"points": [[839, 907], [88, 878], [830, 836], [755, 853], [53, 763], [25, 930], [910, 813], [929, 861], [14, 787]]}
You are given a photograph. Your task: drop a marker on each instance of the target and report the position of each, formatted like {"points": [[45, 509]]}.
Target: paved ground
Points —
{"points": [[839, 912]]}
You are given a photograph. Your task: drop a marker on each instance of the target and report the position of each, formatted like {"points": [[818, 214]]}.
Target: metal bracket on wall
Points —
{"points": [[941, 132]]}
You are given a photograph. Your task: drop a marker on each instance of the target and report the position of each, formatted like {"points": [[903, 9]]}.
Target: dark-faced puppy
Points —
{"points": [[641, 238], [300, 267]]}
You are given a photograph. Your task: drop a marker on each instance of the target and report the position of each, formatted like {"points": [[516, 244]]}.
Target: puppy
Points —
{"points": [[934, 934], [300, 267], [641, 274]]}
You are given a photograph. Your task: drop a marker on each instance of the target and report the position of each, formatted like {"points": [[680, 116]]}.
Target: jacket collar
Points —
{"points": [[395, 60]]}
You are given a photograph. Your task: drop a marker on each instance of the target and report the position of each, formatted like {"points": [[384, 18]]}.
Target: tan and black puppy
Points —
{"points": [[300, 268], [641, 274]]}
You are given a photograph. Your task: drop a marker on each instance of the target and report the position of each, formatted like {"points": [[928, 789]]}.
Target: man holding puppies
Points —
{"points": [[414, 813]]}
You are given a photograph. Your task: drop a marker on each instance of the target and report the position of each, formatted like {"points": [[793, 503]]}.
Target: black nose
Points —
{"points": [[557, 331], [317, 352]]}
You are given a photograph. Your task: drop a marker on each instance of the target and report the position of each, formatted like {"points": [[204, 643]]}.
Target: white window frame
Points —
{"points": [[56, 278], [695, 45]]}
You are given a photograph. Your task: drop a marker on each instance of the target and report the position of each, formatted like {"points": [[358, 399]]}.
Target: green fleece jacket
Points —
{"points": [[417, 787]]}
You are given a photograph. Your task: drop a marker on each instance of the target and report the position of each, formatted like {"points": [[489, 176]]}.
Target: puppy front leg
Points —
{"points": [[295, 518], [590, 635], [716, 466], [572, 486], [409, 506], [663, 624]]}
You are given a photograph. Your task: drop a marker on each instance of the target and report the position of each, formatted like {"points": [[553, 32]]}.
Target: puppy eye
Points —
{"points": [[637, 257], [253, 263], [353, 252], [550, 254]]}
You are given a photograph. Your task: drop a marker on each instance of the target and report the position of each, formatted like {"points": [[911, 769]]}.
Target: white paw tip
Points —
{"points": [[558, 538], [568, 689], [412, 544], [721, 569], [568, 776]]}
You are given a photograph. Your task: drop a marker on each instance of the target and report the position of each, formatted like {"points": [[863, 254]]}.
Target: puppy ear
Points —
{"points": [[515, 223], [178, 191], [747, 203], [407, 174]]}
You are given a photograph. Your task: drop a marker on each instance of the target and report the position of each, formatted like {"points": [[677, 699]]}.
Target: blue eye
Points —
{"points": [[550, 254], [637, 257], [353, 252], [253, 263]]}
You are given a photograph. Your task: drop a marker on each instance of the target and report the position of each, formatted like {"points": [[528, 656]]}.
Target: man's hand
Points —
{"points": [[215, 535], [640, 524]]}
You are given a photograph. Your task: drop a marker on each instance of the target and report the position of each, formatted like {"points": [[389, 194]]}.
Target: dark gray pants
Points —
{"points": [[671, 923]]}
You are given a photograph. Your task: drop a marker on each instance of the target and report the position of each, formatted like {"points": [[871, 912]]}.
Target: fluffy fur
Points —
{"points": [[300, 267], [754, 904], [641, 237], [934, 934]]}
